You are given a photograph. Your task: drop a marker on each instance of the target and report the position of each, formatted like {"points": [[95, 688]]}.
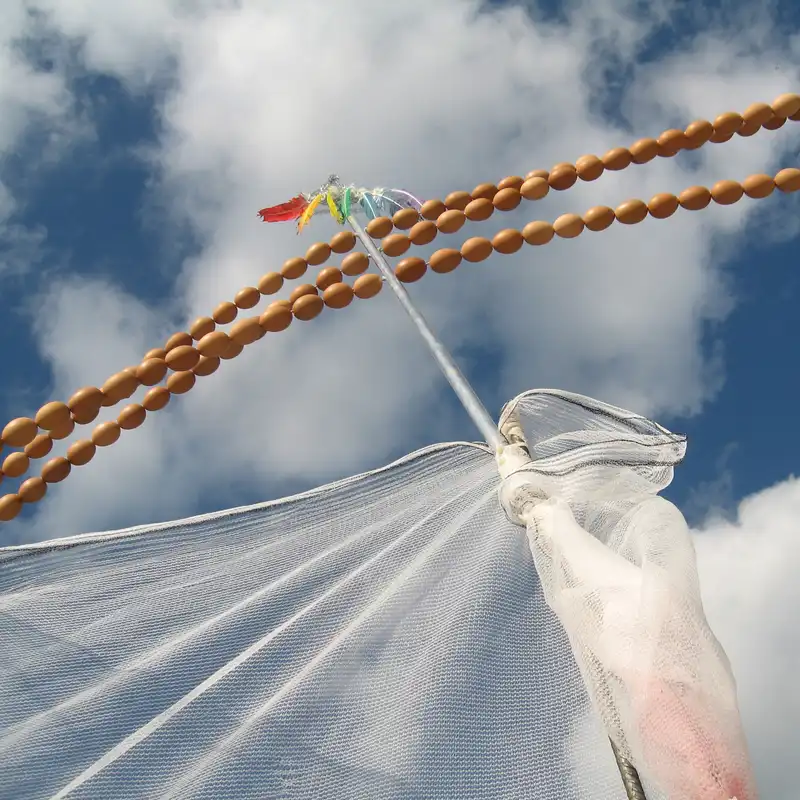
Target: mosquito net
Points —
{"points": [[431, 629]]}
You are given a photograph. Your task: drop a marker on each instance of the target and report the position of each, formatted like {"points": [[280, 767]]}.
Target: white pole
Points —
{"points": [[466, 394]]}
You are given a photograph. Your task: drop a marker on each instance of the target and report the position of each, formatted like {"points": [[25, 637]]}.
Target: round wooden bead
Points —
{"points": [[719, 138], [598, 218], [327, 277], [589, 167], [507, 199], [445, 260], [53, 415], [152, 371], [432, 209], [302, 291], [568, 226], [307, 307], [511, 182], [749, 128], [156, 352], [410, 269], [247, 297], [479, 209], [786, 105], [355, 264], [788, 180], [132, 416], [424, 232], [200, 327], [318, 254], [119, 386], [81, 452], [246, 331], [774, 123], [379, 227], [56, 469], [644, 150], [85, 404], [156, 398], [294, 268], [758, 114], [617, 159], [39, 447], [396, 244], [405, 218], [337, 295], [275, 319], [535, 188], [671, 141], [181, 382], [32, 490], [10, 506], [213, 344], [231, 351], [451, 221], [484, 191], [476, 249], [758, 186], [106, 433], [698, 133], [537, 173], [694, 198], [726, 192], [367, 286], [19, 432], [15, 464], [457, 200], [662, 205], [343, 242], [271, 283], [538, 232], [224, 313], [205, 366], [728, 123], [176, 340], [182, 358], [62, 431], [630, 212], [562, 177], [507, 241]]}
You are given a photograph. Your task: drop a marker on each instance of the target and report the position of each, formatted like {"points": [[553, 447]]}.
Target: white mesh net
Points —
{"points": [[383, 637]]}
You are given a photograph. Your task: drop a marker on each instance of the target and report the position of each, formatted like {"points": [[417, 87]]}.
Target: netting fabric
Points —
{"points": [[394, 635]]}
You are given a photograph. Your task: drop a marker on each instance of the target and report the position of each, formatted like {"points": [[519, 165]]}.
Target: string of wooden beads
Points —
{"points": [[486, 198], [598, 218]]}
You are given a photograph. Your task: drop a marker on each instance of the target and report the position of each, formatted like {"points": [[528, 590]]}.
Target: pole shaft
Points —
{"points": [[466, 394]]}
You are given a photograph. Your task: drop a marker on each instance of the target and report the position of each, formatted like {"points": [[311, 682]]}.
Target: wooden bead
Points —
{"points": [[538, 173], [10, 506], [445, 260], [234, 349], [568, 226], [758, 113], [405, 218], [15, 464], [507, 199], [62, 431], [181, 382], [294, 268], [177, 340], [343, 242], [726, 193], [432, 209], [307, 307], [213, 344], [788, 180], [457, 200], [205, 366], [182, 358], [507, 241], [53, 415], [698, 132], [132, 416], [152, 371], [511, 182], [589, 167], [749, 128], [271, 283], [451, 221], [367, 286], [302, 291], [379, 227], [774, 123], [327, 277], [247, 297], [56, 469], [106, 433], [476, 249], [479, 209], [32, 490], [19, 432], [562, 177], [786, 105], [39, 447], [484, 191], [81, 452], [617, 159], [538, 232], [662, 205], [156, 352], [200, 327], [644, 150], [535, 188], [694, 198], [85, 404], [758, 186], [318, 254], [120, 386], [224, 313], [274, 320], [719, 138], [410, 269], [727, 123], [395, 244], [355, 264], [246, 331], [598, 218], [156, 398], [338, 295], [671, 141], [630, 212], [424, 232]]}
